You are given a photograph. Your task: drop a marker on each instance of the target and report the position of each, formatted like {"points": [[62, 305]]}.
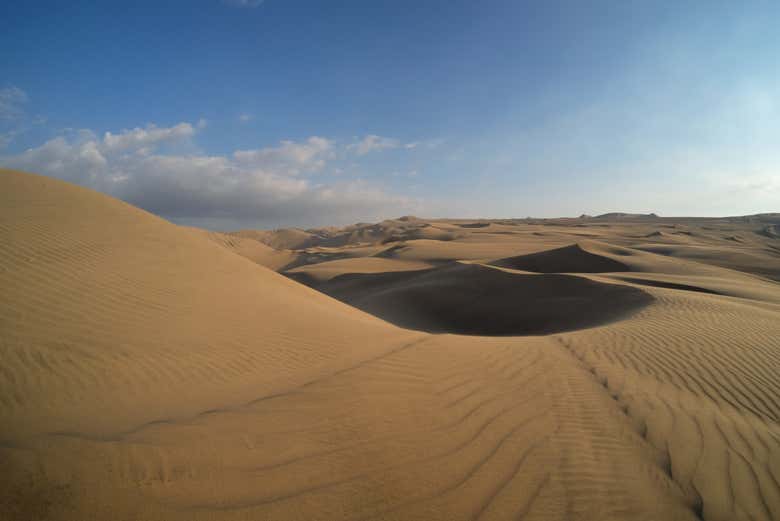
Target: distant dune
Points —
{"points": [[601, 368], [620, 215]]}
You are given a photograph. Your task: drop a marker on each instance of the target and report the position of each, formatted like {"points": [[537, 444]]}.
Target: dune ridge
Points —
{"points": [[139, 295], [151, 371], [569, 259], [477, 299]]}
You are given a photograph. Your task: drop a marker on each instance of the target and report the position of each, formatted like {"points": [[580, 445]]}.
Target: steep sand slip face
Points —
{"points": [[151, 371]]}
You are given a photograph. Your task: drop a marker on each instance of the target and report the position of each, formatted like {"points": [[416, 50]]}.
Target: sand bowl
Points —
{"points": [[474, 299]]}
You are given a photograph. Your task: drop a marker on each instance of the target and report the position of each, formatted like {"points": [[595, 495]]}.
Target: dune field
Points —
{"points": [[619, 367]]}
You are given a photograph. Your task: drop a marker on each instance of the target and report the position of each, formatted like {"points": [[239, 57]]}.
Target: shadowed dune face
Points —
{"points": [[324, 271], [569, 259], [474, 225], [670, 285], [472, 299], [150, 371]]}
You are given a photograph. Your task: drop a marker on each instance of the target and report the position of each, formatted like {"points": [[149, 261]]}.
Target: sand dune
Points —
{"points": [[135, 312], [475, 299], [253, 249], [699, 377], [569, 259], [284, 239], [323, 271], [392, 230], [151, 371]]}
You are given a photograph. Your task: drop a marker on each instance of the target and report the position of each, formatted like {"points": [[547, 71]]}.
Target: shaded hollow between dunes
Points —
{"points": [[473, 299]]}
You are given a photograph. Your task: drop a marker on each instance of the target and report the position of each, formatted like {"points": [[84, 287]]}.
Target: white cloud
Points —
{"points": [[11, 101], [260, 187], [147, 137], [373, 142], [243, 118], [12, 114], [289, 157]]}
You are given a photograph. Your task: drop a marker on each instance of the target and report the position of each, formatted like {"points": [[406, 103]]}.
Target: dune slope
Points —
{"points": [[150, 371], [111, 315], [569, 259], [474, 299]]}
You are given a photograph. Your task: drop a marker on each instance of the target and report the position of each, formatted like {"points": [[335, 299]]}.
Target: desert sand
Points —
{"points": [[595, 368]]}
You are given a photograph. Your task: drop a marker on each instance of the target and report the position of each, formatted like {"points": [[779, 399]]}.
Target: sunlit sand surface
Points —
{"points": [[623, 367]]}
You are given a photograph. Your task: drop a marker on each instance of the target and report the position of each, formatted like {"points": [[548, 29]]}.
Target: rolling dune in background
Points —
{"points": [[622, 367]]}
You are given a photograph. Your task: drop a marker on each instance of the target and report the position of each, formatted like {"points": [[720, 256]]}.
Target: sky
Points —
{"points": [[234, 114]]}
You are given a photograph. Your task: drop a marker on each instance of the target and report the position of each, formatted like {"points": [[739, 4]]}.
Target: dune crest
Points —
{"points": [[569, 259], [152, 371], [112, 290]]}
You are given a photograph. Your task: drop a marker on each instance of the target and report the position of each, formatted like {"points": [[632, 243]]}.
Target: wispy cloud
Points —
{"points": [[12, 100], [244, 118], [140, 138], [289, 157], [14, 119], [427, 144], [373, 143]]}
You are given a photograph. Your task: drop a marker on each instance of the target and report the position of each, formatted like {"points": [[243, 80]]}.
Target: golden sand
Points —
{"points": [[604, 369]]}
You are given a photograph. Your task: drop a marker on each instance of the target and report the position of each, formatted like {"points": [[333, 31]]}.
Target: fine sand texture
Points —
{"points": [[621, 367]]}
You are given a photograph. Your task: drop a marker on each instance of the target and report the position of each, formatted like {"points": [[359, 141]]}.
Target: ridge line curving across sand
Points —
{"points": [[151, 371]]}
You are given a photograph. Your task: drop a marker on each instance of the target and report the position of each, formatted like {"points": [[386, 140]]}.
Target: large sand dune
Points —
{"points": [[150, 371]]}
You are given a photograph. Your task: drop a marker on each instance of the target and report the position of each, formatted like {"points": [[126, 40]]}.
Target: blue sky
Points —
{"points": [[262, 114]]}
